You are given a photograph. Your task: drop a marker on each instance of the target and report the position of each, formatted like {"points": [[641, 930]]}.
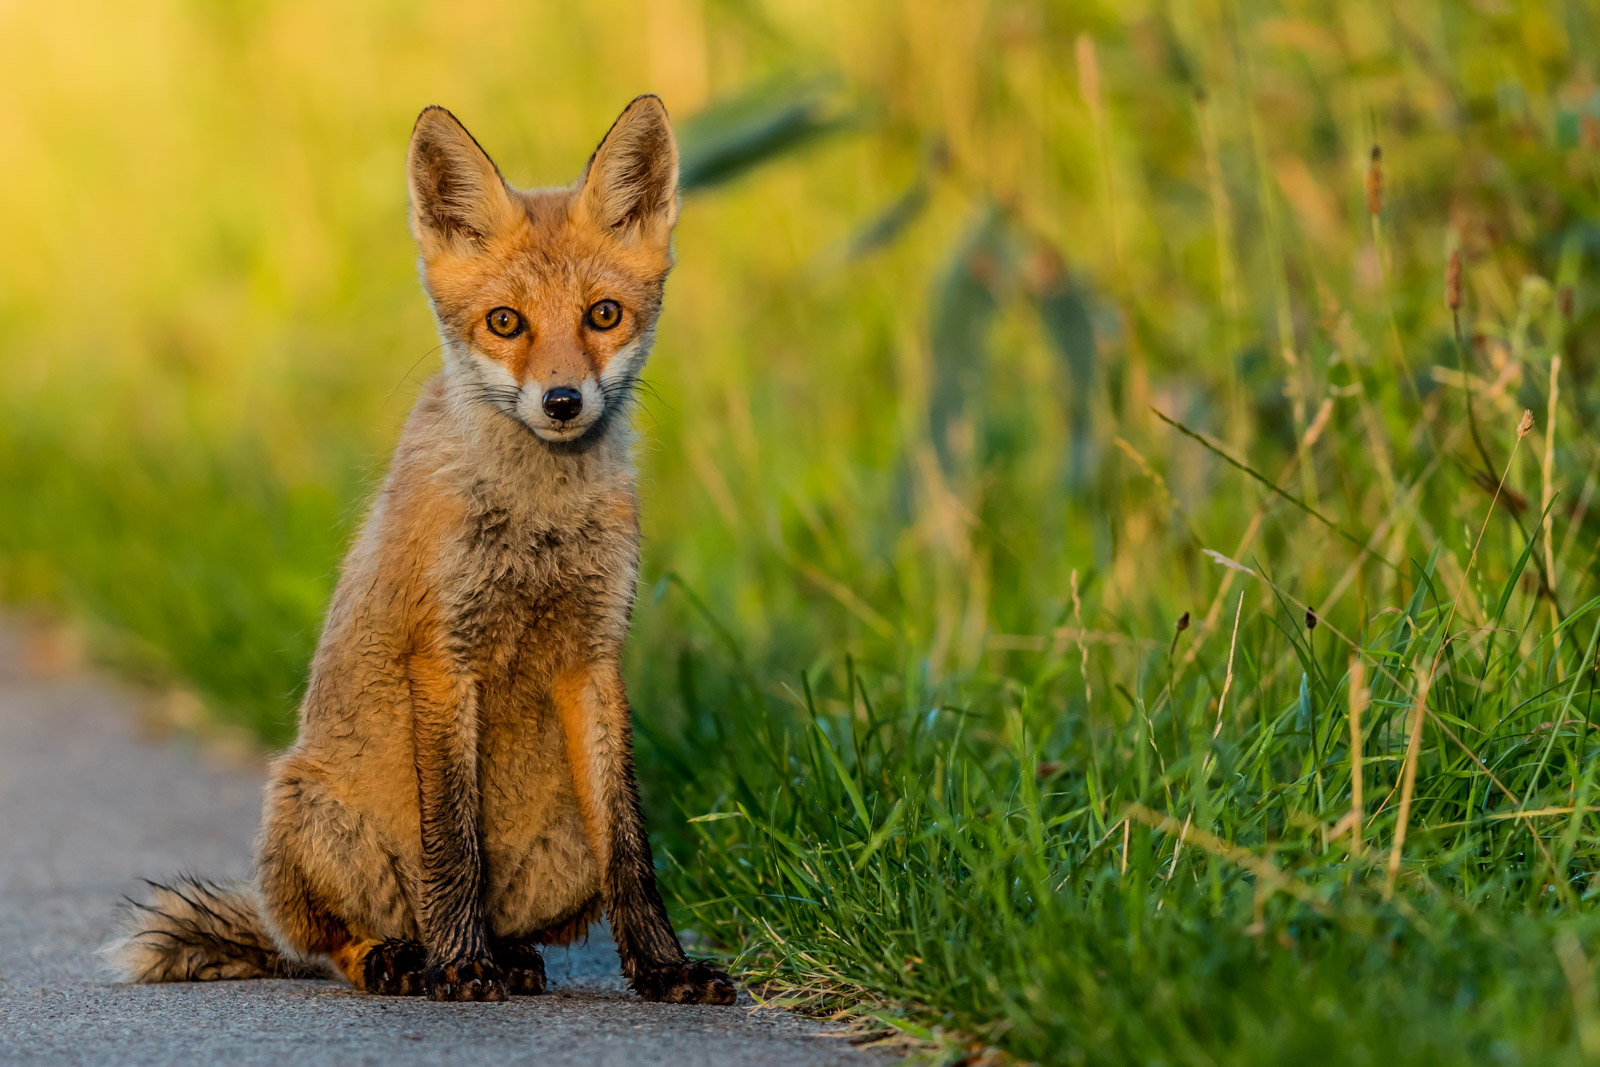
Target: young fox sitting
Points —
{"points": [[462, 788]]}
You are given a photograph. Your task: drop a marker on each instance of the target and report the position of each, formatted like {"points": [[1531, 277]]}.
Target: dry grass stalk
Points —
{"points": [[1088, 72], [847, 597], [1544, 850], [1270, 877], [1547, 475], [1506, 816], [1420, 707], [1227, 684], [1442, 726], [1408, 782], [1160, 484], [1319, 423], [1083, 649], [1523, 427], [1177, 850], [1214, 610]]}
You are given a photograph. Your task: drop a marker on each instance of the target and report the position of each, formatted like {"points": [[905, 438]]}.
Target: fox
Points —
{"points": [[461, 790]]}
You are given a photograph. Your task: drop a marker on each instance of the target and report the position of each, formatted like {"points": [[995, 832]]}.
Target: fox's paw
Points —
{"points": [[394, 968], [465, 980], [689, 982], [523, 967]]}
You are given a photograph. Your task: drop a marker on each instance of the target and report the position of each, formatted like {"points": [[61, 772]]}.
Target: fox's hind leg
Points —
{"points": [[329, 889], [519, 959], [390, 968]]}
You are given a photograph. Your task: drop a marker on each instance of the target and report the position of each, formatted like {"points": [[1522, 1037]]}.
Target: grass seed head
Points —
{"points": [[1183, 622], [1311, 618], [1452, 282], [1375, 182], [1525, 425]]}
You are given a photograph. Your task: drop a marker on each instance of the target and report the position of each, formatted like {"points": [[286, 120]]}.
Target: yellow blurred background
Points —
{"points": [[938, 260]]}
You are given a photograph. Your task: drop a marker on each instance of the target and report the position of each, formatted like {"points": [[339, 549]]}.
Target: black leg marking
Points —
{"points": [[654, 962], [394, 969], [689, 982], [523, 966], [450, 898], [465, 980]]}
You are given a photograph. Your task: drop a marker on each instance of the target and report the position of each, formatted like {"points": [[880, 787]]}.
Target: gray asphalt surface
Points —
{"points": [[87, 807]]}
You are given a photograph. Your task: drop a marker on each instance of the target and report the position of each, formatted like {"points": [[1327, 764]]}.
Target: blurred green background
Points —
{"points": [[955, 251], [916, 539]]}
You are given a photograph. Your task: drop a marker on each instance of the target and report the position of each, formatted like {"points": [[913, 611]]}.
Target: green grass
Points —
{"points": [[1004, 337], [992, 854]]}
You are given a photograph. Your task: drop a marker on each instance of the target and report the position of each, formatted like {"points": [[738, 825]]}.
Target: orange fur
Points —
{"points": [[462, 783]]}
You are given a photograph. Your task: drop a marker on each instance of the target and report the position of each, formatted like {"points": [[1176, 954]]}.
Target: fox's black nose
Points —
{"points": [[563, 403]]}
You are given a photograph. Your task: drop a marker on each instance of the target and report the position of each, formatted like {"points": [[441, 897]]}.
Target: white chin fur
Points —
{"points": [[563, 433]]}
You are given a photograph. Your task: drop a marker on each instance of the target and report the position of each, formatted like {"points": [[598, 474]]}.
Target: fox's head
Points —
{"points": [[546, 298]]}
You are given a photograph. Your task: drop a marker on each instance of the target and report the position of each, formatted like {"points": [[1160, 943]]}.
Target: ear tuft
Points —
{"points": [[457, 195], [631, 184]]}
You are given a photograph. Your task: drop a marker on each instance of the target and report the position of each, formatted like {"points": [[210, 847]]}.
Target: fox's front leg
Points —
{"points": [[599, 737], [444, 703]]}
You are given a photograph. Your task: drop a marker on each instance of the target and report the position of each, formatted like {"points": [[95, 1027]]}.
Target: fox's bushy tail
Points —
{"points": [[198, 931]]}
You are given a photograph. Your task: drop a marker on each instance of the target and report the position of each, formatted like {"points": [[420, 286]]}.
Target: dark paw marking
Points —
{"points": [[523, 967], [689, 982], [465, 980], [394, 969]]}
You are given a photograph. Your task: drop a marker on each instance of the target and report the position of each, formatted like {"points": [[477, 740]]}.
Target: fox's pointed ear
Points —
{"points": [[630, 187], [458, 198]]}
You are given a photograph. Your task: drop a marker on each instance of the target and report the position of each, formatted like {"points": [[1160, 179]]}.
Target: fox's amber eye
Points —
{"points": [[604, 315], [505, 322]]}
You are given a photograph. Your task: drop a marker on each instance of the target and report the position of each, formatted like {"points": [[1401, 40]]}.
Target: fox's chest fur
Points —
{"points": [[531, 559], [534, 597]]}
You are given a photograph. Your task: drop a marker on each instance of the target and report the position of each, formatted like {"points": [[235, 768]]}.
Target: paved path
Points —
{"points": [[87, 807]]}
